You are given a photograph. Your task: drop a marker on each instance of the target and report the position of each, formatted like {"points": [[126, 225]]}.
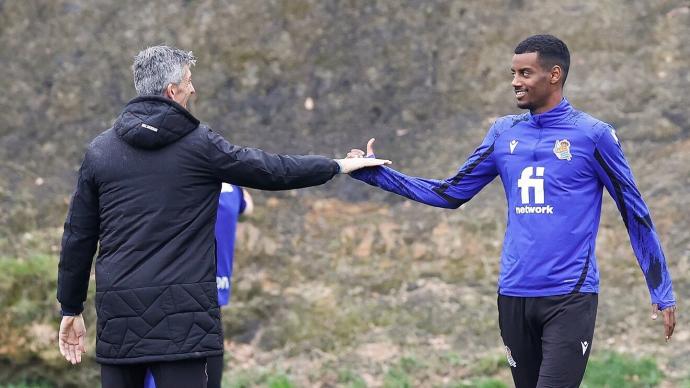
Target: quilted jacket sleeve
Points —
{"points": [[79, 242], [254, 168]]}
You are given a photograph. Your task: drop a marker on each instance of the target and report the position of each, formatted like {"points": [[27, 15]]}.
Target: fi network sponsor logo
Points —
{"points": [[532, 182]]}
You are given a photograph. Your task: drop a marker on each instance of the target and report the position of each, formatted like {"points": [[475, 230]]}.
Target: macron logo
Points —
{"points": [[584, 347], [154, 129], [513, 144]]}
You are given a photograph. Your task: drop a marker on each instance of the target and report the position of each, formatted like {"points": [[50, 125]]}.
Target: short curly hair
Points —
{"points": [[550, 50]]}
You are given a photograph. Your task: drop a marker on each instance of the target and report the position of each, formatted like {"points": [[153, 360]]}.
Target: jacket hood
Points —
{"points": [[153, 122]]}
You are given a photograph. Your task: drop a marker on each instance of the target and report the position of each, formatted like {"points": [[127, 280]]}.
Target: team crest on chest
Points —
{"points": [[562, 149]]}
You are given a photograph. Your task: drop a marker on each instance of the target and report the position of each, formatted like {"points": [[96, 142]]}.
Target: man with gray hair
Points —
{"points": [[146, 196]]}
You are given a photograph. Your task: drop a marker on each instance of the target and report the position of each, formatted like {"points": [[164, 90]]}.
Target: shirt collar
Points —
{"points": [[558, 113]]}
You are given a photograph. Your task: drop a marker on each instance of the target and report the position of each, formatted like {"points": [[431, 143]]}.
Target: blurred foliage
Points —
{"points": [[28, 326]]}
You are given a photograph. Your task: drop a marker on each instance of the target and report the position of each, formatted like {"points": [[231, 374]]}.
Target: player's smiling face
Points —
{"points": [[531, 82]]}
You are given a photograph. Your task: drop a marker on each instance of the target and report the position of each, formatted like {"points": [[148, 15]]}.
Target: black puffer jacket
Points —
{"points": [[148, 192]]}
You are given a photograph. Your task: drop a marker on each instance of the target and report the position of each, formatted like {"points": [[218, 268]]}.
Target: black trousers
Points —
{"points": [[547, 339], [214, 368], [173, 374]]}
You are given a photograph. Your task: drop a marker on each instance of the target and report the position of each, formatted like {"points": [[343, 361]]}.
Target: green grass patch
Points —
{"points": [[250, 379], [480, 383], [279, 381], [401, 375], [621, 371], [28, 384], [490, 365], [350, 379], [397, 378]]}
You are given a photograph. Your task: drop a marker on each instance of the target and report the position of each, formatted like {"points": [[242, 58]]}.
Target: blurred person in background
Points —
{"points": [[553, 162], [233, 202], [146, 197]]}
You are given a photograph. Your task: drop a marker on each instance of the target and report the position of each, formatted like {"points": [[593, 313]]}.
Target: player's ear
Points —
{"points": [[556, 75]]}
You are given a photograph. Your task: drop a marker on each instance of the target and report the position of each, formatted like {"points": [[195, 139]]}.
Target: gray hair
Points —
{"points": [[156, 67]]}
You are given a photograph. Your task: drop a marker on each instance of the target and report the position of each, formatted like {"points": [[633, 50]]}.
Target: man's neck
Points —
{"points": [[552, 102]]}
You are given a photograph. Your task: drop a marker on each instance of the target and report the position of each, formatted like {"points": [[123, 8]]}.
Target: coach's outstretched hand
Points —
{"points": [[71, 338], [669, 314], [350, 164]]}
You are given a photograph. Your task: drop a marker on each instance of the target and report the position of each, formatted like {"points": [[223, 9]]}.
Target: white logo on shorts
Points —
{"points": [[584, 347]]}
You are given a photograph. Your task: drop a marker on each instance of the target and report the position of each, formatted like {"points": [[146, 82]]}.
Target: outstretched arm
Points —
{"points": [[254, 168], [615, 173], [478, 171]]}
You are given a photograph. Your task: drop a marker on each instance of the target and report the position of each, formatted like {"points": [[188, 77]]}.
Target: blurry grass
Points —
{"points": [[401, 374], [28, 384], [396, 378], [279, 381], [617, 370], [489, 366], [348, 378], [249, 379], [481, 383]]}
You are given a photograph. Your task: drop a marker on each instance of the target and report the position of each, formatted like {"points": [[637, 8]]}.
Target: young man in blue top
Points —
{"points": [[554, 162], [232, 202]]}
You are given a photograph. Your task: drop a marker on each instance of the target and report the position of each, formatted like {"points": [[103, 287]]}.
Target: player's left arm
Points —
{"points": [[616, 175]]}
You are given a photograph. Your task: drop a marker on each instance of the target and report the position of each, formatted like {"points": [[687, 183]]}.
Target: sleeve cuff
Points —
{"points": [[70, 311]]}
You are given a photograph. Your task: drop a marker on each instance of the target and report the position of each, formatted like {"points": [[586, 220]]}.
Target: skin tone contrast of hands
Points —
{"points": [[71, 338], [350, 164], [668, 313]]}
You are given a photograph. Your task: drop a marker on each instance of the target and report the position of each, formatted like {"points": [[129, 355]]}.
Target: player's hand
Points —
{"points": [[669, 314], [71, 338], [357, 153]]}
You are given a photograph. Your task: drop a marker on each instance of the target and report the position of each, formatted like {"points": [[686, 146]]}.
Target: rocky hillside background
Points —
{"points": [[343, 285]]}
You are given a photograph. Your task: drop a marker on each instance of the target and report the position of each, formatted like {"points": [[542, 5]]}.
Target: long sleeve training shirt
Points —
{"points": [[553, 167]]}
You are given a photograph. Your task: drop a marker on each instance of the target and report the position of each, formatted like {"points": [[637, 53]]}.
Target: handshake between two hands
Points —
{"points": [[356, 159]]}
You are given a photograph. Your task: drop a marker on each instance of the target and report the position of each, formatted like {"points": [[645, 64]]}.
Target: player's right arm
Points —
{"points": [[478, 171]]}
